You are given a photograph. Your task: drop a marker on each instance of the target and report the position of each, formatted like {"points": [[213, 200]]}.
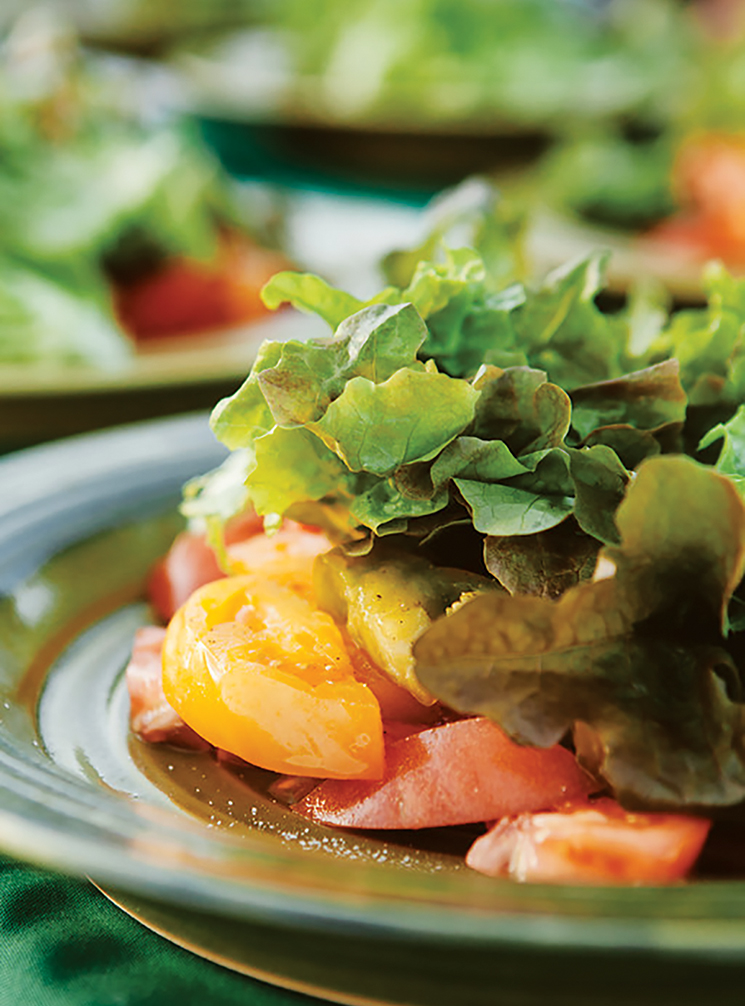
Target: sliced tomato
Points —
{"points": [[596, 843], [151, 716], [185, 295], [456, 773], [287, 556], [188, 565], [401, 712], [256, 670], [245, 525], [708, 180]]}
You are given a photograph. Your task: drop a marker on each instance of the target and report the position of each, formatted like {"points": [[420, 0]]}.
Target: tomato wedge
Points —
{"points": [[455, 773], [595, 843], [188, 565], [150, 715], [185, 295], [256, 670], [287, 556], [708, 180]]}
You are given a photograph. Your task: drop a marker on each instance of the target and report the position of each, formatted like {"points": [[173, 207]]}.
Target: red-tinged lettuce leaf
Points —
{"points": [[679, 516], [545, 564], [644, 399], [408, 418], [636, 659], [520, 407], [632, 446], [373, 343]]}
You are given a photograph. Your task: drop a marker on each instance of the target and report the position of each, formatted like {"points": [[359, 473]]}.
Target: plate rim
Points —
{"points": [[197, 358]]}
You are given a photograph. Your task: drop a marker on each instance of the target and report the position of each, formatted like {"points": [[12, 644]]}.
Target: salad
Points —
{"points": [[459, 64], [113, 228], [674, 178], [475, 558]]}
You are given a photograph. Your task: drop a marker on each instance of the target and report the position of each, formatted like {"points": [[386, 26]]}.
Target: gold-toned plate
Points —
{"points": [[290, 960]]}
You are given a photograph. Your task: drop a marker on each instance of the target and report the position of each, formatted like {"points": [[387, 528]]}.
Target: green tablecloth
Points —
{"points": [[62, 943]]}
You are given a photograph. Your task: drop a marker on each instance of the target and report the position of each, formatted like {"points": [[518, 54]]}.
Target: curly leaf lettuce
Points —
{"points": [[635, 663], [379, 428]]}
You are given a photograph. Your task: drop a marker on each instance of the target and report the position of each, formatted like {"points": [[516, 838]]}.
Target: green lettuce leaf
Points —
{"points": [[731, 460], [600, 482], [475, 215], [386, 510], [373, 343], [564, 332], [293, 466], [525, 503], [209, 501], [245, 416], [44, 321], [311, 294], [408, 418], [708, 342]]}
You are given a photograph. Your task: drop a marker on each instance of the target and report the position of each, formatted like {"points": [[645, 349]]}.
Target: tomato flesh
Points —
{"points": [[188, 565], [151, 717], [185, 295], [286, 557], [256, 670], [455, 773], [591, 843], [708, 180]]}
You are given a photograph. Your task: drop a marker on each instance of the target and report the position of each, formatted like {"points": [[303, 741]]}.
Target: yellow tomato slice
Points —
{"points": [[255, 669]]}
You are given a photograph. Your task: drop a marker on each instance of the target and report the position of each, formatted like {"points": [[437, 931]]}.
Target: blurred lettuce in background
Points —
{"points": [[523, 62], [95, 187]]}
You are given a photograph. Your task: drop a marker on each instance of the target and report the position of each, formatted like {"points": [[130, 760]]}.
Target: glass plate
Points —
{"points": [[81, 523]]}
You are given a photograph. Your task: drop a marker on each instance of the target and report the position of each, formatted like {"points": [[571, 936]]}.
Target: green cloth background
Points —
{"points": [[62, 943]]}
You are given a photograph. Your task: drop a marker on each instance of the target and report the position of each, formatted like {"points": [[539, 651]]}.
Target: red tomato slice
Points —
{"points": [[185, 295], [188, 565], [191, 563], [151, 716], [456, 773], [595, 843], [708, 180]]}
